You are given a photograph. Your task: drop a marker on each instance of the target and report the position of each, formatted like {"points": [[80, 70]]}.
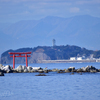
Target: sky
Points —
{"points": [[16, 10]]}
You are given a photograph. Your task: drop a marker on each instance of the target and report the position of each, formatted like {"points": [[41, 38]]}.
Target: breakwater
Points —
{"points": [[70, 61], [43, 71]]}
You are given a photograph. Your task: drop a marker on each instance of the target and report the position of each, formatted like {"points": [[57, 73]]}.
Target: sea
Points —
{"points": [[54, 86]]}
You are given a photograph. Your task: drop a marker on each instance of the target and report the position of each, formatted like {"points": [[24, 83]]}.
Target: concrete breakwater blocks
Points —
{"points": [[1, 74], [29, 69]]}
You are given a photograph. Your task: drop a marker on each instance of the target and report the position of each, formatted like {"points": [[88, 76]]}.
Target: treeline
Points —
{"points": [[55, 53], [65, 52]]}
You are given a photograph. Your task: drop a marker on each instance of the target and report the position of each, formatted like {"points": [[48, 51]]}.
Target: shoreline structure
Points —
{"points": [[70, 61], [29, 69]]}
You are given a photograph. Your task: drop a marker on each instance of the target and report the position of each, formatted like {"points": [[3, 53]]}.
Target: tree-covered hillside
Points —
{"points": [[50, 53], [65, 52]]}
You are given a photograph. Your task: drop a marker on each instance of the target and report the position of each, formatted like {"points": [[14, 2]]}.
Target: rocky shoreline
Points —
{"points": [[41, 71]]}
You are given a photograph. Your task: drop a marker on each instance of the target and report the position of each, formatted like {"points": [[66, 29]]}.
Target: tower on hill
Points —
{"points": [[54, 42]]}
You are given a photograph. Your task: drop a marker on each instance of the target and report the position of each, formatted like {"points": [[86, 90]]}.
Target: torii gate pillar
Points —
{"points": [[20, 54]]}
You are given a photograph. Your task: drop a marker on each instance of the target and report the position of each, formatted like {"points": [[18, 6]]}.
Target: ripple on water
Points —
{"points": [[27, 86]]}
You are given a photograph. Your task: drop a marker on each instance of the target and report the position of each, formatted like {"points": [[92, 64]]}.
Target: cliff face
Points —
{"points": [[36, 57]]}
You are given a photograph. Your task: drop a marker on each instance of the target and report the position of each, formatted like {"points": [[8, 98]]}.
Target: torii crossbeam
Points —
{"points": [[20, 54]]}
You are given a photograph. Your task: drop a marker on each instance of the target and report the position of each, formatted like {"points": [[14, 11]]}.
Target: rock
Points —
{"points": [[40, 71], [14, 71], [29, 69], [1, 74], [60, 71], [19, 69], [83, 69], [1, 65], [79, 70], [7, 69], [24, 67], [88, 68], [41, 75], [46, 71], [71, 69], [36, 68], [49, 70], [55, 70], [67, 71], [99, 70], [33, 71], [25, 70], [93, 71], [2, 71]]}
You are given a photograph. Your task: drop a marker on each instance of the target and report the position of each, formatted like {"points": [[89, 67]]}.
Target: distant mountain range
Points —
{"points": [[83, 30]]}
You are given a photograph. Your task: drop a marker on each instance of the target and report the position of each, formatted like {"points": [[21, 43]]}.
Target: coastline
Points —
{"points": [[70, 61]]}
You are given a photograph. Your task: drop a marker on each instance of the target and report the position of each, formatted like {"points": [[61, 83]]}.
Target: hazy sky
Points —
{"points": [[16, 10]]}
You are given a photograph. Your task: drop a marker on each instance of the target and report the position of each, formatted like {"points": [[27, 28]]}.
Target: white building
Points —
{"points": [[76, 58], [73, 58], [79, 58]]}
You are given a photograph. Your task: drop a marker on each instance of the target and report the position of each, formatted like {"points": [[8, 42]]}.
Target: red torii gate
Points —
{"points": [[18, 54]]}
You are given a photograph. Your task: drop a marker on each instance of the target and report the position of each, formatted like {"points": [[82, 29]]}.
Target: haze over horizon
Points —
{"points": [[13, 11], [16, 10]]}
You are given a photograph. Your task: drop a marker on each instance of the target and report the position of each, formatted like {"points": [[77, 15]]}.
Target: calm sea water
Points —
{"points": [[27, 86]]}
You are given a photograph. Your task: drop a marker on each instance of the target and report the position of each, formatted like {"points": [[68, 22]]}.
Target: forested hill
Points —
{"points": [[49, 53]]}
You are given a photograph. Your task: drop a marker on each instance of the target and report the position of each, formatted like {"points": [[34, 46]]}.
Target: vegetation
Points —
{"points": [[56, 52]]}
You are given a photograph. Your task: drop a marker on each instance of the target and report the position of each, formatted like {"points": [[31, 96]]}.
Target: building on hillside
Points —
{"points": [[79, 58], [73, 58]]}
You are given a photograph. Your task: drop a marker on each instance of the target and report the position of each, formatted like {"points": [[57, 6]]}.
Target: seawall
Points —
{"points": [[69, 61]]}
